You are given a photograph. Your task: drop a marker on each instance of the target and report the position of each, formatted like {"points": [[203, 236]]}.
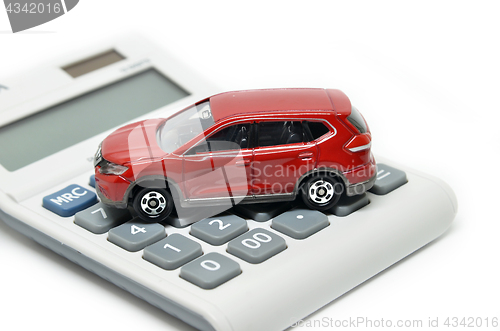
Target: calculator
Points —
{"points": [[280, 262]]}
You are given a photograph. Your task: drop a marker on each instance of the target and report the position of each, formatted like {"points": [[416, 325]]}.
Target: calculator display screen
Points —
{"points": [[53, 129]]}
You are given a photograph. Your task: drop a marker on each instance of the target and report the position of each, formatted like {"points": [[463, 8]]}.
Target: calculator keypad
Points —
{"points": [[219, 230], [256, 246], [300, 223], [100, 218], [185, 251], [135, 235], [210, 271], [172, 252]]}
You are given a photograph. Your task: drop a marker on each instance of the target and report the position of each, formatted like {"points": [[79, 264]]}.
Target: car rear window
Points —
{"points": [[317, 129], [357, 120]]}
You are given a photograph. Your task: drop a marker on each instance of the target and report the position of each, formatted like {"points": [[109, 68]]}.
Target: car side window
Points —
{"points": [[230, 138], [233, 137], [317, 129], [280, 133]]}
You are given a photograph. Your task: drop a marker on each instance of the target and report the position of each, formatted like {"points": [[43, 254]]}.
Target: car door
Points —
{"points": [[198, 173], [282, 155], [232, 156], [218, 169]]}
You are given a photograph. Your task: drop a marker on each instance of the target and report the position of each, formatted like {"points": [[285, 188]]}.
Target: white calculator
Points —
{"points": [[296, 260]]}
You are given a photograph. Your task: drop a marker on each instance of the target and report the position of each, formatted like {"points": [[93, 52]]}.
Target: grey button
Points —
{"points": [[388, 179], [100, 218], [348, 205], [262, 212], [211, 270], [256, 246], [219, 230], [135, 235], [172, 252], [300, 223], [183, 217]]}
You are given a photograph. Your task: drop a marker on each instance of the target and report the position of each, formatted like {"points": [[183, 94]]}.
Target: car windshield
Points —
{"points": [[184, 126]]}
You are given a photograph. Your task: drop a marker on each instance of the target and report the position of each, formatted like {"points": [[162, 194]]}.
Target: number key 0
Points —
{"points": [[210, 271]]}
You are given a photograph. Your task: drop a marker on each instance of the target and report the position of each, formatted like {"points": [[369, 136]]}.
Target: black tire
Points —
{"points": [[322, 192], [153, 204]]}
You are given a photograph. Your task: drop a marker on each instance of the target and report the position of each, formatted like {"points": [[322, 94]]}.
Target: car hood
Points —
{"points": [[133, 142]]}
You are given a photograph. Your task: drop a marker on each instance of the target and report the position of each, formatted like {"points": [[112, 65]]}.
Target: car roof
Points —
{"points": [[274, 100]]}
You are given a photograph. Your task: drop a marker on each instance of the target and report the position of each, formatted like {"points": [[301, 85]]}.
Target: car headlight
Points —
{"points": [[98, 155], [110, 168]]}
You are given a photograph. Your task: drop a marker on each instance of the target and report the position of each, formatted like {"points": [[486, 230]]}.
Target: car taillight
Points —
{"points": [[358, 143]]}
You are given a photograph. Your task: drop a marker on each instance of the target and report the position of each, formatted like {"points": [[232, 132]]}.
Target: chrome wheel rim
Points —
{"points": [[321, 191], [153, 203]]}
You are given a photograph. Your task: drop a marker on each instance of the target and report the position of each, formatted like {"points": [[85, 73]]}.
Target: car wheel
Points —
{"points": [[153, 204], [322, 192]]}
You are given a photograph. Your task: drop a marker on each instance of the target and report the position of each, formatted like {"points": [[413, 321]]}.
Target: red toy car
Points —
{"points": [[239, 147]]}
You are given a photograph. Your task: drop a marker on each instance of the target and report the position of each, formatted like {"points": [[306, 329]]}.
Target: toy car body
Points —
{"points": [[239, 147]]}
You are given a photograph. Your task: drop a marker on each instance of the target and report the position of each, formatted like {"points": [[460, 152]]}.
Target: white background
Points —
{"points": [[425, 75]]}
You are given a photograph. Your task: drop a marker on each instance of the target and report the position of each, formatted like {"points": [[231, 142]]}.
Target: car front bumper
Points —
{"points": [[111, 189]]}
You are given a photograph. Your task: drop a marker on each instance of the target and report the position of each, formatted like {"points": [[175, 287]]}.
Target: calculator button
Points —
{"points": [[211, 270], [92, 181], [190, 216], [388, 179], [70, 200], [219, 230], [172, 252], [135, 235], [300, 223], [256, 246], [262, 212], [348, 205], [100, 218]]}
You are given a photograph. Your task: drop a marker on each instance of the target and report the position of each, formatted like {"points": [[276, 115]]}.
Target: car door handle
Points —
{"points": [[243, 163], [306, 155]]}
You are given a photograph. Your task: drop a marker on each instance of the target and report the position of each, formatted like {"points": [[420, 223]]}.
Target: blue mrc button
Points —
{"points": [[69, 200]]}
